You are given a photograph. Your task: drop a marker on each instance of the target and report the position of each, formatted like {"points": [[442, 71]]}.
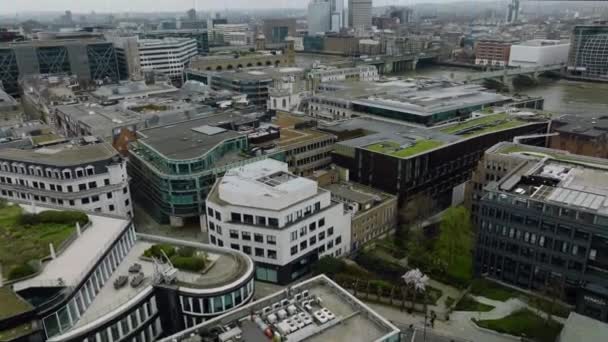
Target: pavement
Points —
{"points": [[145, 224]]}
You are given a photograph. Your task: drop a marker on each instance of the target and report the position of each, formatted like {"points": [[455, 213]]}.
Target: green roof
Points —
{"points": [[13, 333], [11, 303], [394, 149], [484, 124]]}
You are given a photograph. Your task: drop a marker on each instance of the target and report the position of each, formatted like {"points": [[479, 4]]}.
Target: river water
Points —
{"points": [[561, 96]]}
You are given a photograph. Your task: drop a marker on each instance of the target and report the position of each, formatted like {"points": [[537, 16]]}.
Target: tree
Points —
{"points": [[329, 266], [416, 281], [455, 235], [412, 214]]}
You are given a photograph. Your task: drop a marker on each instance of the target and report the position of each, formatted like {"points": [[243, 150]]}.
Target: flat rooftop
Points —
{"points": [[583, 125], [190, 139], [80, 255], [133, 89], [316, 310], [354, 192], [227, 267], [67, 154], [579, 184], [491, 122], [430, 102]]}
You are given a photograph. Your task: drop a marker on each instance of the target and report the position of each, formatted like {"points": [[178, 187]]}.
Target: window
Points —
{"points": [[321, 236], [303, 231], [109, 195], [247, 250], [95, 198], [312, 240], [321, 222], [312, 226], [248, 219], [111, 207], [260, 220], [210, 212], [330, 244], [330, 231], [218, 216], [212, 239], [272, 254], [220, 243], [92, 185], [294, 235], [127, 202], [271, 239], [259, 252], [338, 240], [218, 229], [273, 222], [82, 186], [85, 200], [124, 190], [258, 238], [246, 236], [211, 225], [294, 250], [234, 234], [235, 217], [106, 181], [234, 246], [303, 245]]}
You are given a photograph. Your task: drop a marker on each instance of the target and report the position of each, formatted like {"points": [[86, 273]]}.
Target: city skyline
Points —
{"points": [[86, 6]]}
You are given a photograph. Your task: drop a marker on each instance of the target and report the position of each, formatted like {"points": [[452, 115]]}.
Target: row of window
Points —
{"points": [[258, 252], [148, 334], [311, 228], [55, 187], [48, 172], [304, 244], [63, 319], [59, 201], [217, 304]]}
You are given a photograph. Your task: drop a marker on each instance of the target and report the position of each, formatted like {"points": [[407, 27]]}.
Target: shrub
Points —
{"points": [[186, 251], [63, 217], [21, 271], [328, 265], [155, 251], [27, 219], [380, 266], [193, 264]]}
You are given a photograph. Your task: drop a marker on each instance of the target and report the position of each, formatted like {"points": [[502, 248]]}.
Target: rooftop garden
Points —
{"points": [[396, 150], [183, 258], [18, 331], [484, 124], [11, 304], [25, 238]]}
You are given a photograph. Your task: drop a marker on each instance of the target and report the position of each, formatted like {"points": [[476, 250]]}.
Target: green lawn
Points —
{"points": [[524, 323], [484, 120], [468, 303], [20, 244], [492, 290], [394, 149], [11, 304]]}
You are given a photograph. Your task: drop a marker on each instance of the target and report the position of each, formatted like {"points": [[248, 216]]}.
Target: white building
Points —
{"points": [[168, 55], [539, 52], [88, 175], [236, 38], [284, 222], [359, 73]]}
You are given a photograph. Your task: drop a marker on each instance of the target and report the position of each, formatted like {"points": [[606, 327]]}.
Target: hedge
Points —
{"points": [[155, 251], [21, 271], [193, 264], [69, 217]]}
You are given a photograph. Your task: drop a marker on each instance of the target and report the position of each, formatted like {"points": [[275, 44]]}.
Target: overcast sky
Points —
{"points": [[13, 6]]}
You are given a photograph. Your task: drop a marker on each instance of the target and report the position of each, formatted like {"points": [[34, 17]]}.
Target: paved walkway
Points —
{"points": [[446, 291]]}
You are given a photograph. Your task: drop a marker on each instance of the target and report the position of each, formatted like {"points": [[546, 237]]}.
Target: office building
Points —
{"points": [[492, 52], [85, 174], [284, 222], [373, 212], [337, 15], [89, 59], [362, 73], [127, 54], [201, 36], [539, 53], [588, 52], [276, 30], [317, 309], [544, 223], [319, 17], [173, 167], [169, 55], [360, 14], [580, 134], [404, 14], [408, 160], [103, 285]]}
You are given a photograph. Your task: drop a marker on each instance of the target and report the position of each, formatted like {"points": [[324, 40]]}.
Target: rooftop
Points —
{"points": [[226, 267], [579, 183], [264, 184], [68, 154], [191, 139], [487, 123], [132, 89], [583, 125], [404, 150], [314, 310], [357, 193]]}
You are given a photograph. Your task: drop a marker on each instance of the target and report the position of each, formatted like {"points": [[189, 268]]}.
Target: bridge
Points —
{"points": [[387, 64], [503, 74]]}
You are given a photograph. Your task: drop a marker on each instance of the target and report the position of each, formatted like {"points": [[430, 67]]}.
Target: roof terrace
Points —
{"points": [[397, 150]]}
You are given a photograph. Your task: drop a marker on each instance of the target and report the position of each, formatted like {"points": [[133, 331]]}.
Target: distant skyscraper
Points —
{"points": [[360, 14], [513, 11], [319, 16], [588, 57], [191, 14]]}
